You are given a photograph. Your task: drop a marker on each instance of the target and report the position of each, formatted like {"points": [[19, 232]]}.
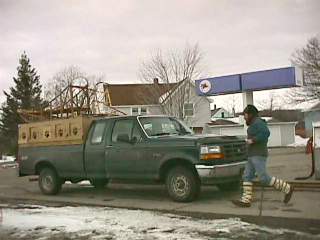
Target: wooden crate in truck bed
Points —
{"points": [[54, 132]]}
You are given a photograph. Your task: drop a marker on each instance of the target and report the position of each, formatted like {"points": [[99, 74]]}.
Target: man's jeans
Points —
{"points": [[256, 165]]}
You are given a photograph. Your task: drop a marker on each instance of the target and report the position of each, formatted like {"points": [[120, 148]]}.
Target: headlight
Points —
{"points": [[210, 149], [211, 153]]}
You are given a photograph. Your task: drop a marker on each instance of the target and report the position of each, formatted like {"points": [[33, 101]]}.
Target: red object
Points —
{"points": [[309, 150], [309, 147]]}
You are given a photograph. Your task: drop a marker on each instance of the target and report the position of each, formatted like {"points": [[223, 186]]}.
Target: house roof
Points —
{"points": [[222, 122], [137, 94], [214, 111]]}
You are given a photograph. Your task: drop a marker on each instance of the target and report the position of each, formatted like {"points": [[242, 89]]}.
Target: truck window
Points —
{"points": [[98, 133], [157, 126], [136, 133], [122, 127]]}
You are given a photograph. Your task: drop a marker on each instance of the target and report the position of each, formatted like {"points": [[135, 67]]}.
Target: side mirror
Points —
{"points": [[123, 138]]}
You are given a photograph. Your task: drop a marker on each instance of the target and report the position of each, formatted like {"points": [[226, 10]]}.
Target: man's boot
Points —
{"points": [[245, 200], [282, 186]]}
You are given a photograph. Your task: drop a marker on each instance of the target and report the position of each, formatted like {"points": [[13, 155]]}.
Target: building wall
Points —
{"points": [[287, 134], [275, 136], [202, 112], [151, 109], [309, 117]]}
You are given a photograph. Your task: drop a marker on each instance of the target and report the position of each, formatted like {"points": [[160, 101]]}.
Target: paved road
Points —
{"points": [[303, 211]]}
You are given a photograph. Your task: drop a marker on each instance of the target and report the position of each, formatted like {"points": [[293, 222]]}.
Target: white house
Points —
{"points": [[141, 99], [311, 115], [220, 113]]}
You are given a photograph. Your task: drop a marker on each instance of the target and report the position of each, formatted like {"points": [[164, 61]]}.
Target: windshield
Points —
{"points": [[161, 126]]}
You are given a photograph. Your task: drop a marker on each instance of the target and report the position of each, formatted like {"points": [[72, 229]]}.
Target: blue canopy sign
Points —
{"points": [[252, 81]]}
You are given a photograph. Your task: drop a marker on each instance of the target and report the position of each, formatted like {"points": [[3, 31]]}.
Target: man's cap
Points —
{"points": [[250, 109]]}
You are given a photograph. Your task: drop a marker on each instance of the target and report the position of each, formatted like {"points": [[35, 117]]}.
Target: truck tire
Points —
{"points": [[182, 184], [99, 183], [49, 181], [229, 186]]}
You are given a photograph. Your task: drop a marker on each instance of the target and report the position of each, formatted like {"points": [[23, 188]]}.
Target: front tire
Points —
{"points": [[49, 181], [182, 184], [99, 183]]}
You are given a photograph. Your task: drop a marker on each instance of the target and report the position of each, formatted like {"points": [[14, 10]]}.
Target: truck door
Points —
{"points": [[95, 150], [121, 151]]}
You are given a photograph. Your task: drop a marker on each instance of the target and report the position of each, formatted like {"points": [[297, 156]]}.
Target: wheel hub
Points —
{"points": [[180, 185], [47, 183]]}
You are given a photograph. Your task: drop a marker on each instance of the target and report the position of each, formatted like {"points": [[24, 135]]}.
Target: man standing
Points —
{"points": [[257, 140]]}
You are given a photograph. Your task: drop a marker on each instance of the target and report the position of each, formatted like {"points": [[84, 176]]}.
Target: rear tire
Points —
{"points": [[99, 183], [49, 181], [182, 184], [229, 186]]}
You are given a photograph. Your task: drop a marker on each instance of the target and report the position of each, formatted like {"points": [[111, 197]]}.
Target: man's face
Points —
{"points": [[248, 118]]}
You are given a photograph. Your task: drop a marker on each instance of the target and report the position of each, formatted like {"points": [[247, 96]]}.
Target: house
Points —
{"points": [[160, 98], [218, 113], [311, 115]]}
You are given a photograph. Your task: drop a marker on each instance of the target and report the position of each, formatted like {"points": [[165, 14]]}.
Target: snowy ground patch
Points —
{"points": [[7, 159], [38, 222], [299, 142], [8, 162]]}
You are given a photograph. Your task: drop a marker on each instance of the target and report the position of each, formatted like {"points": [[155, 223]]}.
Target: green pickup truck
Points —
{"points": [[135, 148]]}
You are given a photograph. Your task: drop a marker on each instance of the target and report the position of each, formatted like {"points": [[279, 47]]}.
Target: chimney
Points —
{"points": [[155, 81], [215, 106]]}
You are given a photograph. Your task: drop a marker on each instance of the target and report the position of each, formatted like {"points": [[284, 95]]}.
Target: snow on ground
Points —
{"points": [[8, 162], [7, 159], [85, 182], [38, 222], [299, 142]]}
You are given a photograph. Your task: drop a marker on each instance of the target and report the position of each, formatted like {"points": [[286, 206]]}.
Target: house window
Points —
{"points": [[188, 109], [139, 111], [98, 132], [122, 127], [222, 115], [135, 111], [143, 111]]}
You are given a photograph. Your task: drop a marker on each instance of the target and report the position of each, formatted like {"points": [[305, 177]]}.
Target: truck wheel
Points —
{"points": [[99, 183], [49, 181], [182, 184], [229, 187]]}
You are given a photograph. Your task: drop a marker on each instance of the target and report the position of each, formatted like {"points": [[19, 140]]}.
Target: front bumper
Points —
{"points": [[220, 173]]}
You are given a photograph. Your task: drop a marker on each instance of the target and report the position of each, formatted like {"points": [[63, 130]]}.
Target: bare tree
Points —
{"points": [[269, 104], [170, 77], [61, 80], [308, 58], [73, 89], [231, 104]]}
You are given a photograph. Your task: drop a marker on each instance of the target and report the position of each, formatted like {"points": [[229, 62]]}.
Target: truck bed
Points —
{"points": [[67, 159]]}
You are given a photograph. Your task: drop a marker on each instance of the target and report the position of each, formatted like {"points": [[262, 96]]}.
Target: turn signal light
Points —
{"points": [[210, 156]]}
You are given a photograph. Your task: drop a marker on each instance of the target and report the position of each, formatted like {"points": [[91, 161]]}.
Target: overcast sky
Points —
{"points": [[113, 37]]}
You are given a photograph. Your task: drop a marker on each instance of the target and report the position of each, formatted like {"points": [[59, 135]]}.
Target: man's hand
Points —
{"points": [[249, 141]]}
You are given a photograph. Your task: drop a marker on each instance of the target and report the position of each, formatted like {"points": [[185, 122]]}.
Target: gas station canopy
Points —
{"points": [[251, 81]]}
